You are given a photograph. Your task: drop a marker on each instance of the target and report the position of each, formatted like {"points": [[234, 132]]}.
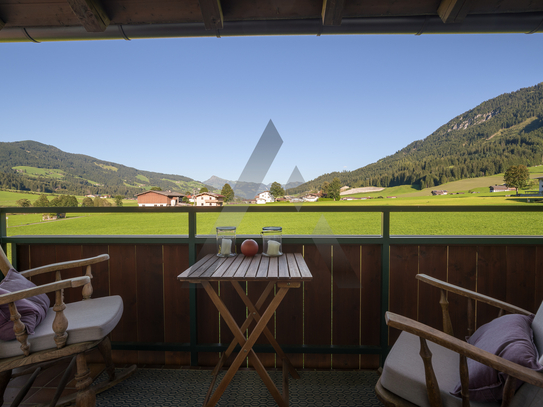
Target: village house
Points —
{"points": [[209, 199], [501, 188], [159, 198], [439, 192], [264, 197], [311, 198]]}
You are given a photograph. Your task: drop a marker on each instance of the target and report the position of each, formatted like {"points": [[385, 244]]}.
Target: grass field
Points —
{"points": [[496, 223]]}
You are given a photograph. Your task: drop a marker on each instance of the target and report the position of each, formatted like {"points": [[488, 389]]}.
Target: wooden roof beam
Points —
{"points": [[453, 11], [91, 14], [212, 14], [2, 24], [332, 11]]}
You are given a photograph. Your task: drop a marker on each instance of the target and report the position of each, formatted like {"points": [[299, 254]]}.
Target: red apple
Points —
{"points": [[249, 247]]}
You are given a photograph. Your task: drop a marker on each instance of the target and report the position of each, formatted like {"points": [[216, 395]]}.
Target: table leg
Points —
{"points": [[247, 345], [245, 326], [253, 313]]}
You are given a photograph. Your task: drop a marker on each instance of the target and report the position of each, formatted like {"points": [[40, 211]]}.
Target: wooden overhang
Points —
{"points": [[65, 20]]}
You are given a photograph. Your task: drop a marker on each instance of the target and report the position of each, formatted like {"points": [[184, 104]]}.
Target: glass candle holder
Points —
{"points": [[272, 244], [226, 241]]}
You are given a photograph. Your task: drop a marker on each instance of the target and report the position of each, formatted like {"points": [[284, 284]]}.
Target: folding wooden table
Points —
{"points": [[287, 271]]}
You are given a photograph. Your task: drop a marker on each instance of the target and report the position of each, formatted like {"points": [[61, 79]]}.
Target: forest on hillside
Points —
{"points": [[504, 131], [81, 174]]}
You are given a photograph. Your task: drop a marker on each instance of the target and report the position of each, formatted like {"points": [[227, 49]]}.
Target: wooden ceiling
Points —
{"points": [[24, 20]]}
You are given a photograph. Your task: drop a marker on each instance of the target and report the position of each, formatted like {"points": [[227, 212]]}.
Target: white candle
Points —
{"points": [[226, 247], [273, 248]]}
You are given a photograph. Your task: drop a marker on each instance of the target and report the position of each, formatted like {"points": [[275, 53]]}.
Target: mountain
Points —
{"points": [[503, 131], [32, 166]]}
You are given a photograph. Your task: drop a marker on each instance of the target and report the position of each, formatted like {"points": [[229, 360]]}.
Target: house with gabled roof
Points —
{"points": [[159, 198], [209, 199]]}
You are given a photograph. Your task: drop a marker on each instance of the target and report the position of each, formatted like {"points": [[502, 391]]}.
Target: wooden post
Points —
{"points": [[432, 387], [87, 288], [85, 394], [19, 328], [447, 324]]}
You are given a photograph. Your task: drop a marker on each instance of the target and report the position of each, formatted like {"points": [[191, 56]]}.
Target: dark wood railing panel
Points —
{"points": [[491, 275], [341, 306], [521, 276], [346, 330], [433, 262], [122, 263], [403, 284], [462, 272], [176, 302], [318, 300]]}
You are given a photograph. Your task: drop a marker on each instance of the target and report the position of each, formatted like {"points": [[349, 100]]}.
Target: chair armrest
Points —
{"points": [[472, 294], [64, 265], [42, 289], [464, 348]]}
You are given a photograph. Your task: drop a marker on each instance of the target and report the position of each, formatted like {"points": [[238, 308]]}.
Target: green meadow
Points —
{"points": [[475, 192]]}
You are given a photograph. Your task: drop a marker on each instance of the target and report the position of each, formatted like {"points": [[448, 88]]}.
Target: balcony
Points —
{"points": [[335, 323]]}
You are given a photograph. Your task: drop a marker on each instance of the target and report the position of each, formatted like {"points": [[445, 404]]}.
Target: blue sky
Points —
{"points": [[198, 106]]}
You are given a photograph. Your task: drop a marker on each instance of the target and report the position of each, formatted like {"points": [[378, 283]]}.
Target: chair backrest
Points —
{"points": [[5, 265], [537, 327]]}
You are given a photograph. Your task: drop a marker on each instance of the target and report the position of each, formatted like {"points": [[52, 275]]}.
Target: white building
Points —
{"points": [[310, 198], [264, 197], [209, 199]]}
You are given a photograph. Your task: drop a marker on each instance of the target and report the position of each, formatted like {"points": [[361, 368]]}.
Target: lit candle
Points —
{"points": [[273, 248], [226, 247]]}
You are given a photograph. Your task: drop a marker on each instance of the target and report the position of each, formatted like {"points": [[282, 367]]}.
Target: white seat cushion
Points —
{"points": [[88, 320]]}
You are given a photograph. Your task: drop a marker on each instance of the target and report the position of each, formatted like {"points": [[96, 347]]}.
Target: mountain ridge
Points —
{"points": [[500, 132]]}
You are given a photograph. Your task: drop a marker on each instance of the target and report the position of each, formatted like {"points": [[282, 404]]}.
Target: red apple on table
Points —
{"points": [[249, 247]]}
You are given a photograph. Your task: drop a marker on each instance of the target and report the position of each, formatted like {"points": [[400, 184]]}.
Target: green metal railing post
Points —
{"points": [[192, 291], [385, 281]]}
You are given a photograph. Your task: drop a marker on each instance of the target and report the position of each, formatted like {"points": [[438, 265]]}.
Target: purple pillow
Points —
{"points": [[32, 310], [510, 337]]}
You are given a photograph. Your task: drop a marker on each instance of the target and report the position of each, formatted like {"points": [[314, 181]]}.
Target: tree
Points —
{"points": [[324, 188], [24, 203], [517, 176], [334, 189], [42, 201], [87, 202], [156, 189], [204, 189], [227, 192], [118, 200], [277, 190]]}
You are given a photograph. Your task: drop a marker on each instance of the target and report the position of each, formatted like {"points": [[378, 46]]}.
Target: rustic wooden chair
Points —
{"points": [[425, 364], [67, 330]]}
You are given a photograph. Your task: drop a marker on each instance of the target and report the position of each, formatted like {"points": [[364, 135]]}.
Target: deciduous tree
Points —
{"points": [[227, 192], [42, 201], [24, 203], [334, 189], [517, 176], [119, 200], [277, 190]]}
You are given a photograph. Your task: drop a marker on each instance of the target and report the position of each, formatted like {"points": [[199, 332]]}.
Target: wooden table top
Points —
{"points": [[288, 267]]}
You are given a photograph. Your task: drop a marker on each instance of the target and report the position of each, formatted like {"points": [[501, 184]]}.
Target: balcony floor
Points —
{"points": [[188, 387]]}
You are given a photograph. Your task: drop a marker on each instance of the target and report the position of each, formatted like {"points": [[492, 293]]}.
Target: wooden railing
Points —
{"points": [[335, 321]]}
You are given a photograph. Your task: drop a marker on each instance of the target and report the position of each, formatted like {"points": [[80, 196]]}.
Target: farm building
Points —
{"points": [[311, 198], [209, 199], [159, 198], [501, 188], [439, 192]]}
